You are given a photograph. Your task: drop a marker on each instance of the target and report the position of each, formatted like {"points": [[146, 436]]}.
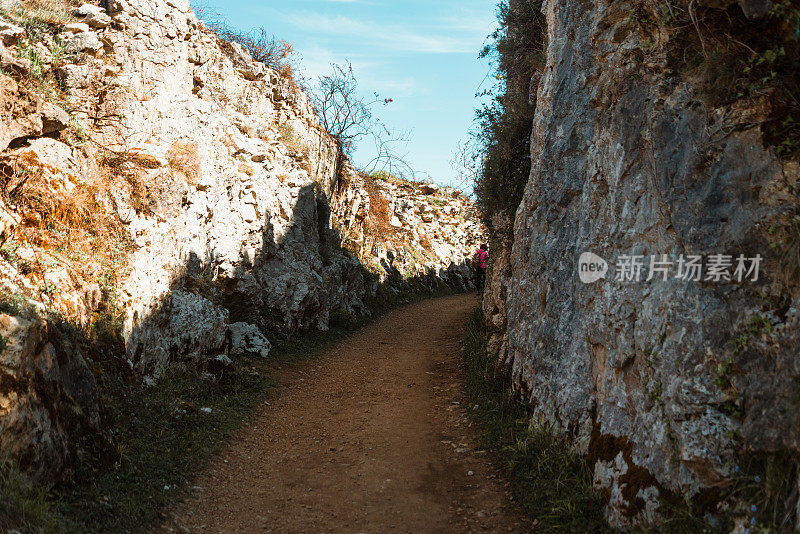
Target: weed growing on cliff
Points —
{"points": [[184, 157], [41, 19], [501, 140], [39, 16], [13, 304], [750, 61], [290, 137], [764, 485], [259, 43], [379, 216], [551, 481]]}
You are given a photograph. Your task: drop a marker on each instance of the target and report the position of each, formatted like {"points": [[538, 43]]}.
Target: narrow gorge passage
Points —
{"points": [[370, 437]]}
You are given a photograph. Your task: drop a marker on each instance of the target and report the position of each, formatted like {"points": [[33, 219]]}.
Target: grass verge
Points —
{"points": [[163, 435], [552, 483], [24, 507]]}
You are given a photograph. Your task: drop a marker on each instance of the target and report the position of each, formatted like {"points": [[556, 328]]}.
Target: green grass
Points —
{"points": [[550, 481], [162, 437], [23, 506], [763, 487]]}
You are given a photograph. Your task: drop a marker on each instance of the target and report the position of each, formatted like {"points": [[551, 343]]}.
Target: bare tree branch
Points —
{"points": [[348, 117]]}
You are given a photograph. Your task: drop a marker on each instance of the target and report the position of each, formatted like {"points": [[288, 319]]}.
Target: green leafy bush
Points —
{"points": [[503, 129]]}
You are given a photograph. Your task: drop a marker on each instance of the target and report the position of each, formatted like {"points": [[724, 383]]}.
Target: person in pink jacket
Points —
{"points": [[481, 258]]}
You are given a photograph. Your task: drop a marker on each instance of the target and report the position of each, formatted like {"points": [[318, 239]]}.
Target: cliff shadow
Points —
{"points": [[292, 277]]}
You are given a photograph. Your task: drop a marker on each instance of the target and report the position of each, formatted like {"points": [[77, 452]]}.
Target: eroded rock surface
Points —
{"points": [[663, 384], [408, 229], [189, 194], [48, 398]]}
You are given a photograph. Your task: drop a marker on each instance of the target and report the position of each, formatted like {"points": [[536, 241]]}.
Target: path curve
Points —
{"points": [[369, 437]]}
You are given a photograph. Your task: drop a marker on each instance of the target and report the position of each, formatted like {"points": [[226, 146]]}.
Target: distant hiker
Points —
{"points": [[481, 257]]}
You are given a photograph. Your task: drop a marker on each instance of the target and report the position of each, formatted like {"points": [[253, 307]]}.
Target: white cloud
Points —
{"points": [[315, 61], [392, 88], [475, 23], [397, 38]]}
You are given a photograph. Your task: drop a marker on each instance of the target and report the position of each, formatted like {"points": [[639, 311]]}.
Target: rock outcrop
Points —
{"points": [[407, 229], [48, 398], [187, 196], [667, 384], [24, 115]]}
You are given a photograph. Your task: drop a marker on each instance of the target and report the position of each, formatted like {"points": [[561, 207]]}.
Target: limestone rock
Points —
{"points": [[8, 222], [97, 20], [10, 33], [27, 115], [13, 64], [76, 27], [635, 371], [48, 395], [182, 327], [247, 339], [86, 10], [117, 6], [20, 113], [441, 251], [54, 119], [74, 76], [429, 189], [87, 42]]}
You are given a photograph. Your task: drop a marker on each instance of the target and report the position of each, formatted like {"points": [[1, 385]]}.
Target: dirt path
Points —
{"points": [[370, 437]]}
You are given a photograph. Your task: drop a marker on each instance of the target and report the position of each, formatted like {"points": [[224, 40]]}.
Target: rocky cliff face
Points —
{"points": [[405, 229], [669, 387], [159, 178]]}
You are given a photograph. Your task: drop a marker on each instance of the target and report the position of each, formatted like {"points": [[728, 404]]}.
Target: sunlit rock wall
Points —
{"points": [[187, 194]]}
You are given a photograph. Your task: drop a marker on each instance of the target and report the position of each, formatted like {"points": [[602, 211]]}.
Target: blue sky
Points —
{"points": [[421, 53]]}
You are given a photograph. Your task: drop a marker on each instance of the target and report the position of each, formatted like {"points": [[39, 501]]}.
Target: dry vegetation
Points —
{"points": [[425, 243], [183, 157], [41, 12], [67, 224], [41, 19], [379, 216], [290, 137], [259, 43]]}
